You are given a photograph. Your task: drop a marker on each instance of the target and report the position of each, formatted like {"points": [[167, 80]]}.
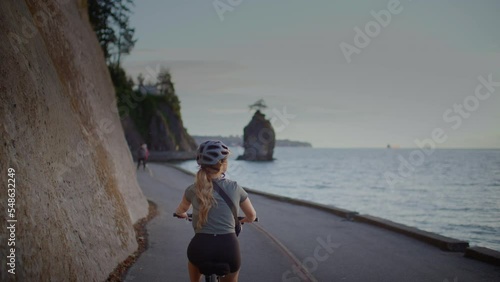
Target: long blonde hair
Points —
{"points": [[204, 190]]}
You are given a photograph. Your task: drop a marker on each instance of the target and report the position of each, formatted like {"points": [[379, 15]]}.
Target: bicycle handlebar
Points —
{"points": [[190, 217]]}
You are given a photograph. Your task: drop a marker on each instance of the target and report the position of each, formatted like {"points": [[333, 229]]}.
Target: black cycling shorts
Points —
{"points": [[223, 248]]}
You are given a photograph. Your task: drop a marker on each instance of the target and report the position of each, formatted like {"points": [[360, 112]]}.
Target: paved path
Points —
{"points": [[296, 243]]}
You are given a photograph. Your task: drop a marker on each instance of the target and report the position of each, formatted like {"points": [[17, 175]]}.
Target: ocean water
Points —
{"points": [[452, 192]]}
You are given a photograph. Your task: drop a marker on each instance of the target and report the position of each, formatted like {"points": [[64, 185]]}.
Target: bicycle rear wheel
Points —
{"points": [[211, 278]]}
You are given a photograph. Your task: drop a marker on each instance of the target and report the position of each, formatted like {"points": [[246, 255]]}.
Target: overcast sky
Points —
{"points": [[413, 75]]}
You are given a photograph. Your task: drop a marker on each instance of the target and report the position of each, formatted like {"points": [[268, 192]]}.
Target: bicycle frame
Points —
{"points": [[212, 278]]}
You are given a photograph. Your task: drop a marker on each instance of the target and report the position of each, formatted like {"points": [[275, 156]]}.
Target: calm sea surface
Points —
{"points": [[453, 192]]}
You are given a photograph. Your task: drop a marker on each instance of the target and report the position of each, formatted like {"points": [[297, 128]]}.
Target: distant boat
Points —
{"points": [[388, 146]]}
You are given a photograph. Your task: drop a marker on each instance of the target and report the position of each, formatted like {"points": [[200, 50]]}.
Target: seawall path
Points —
{"points": [[296, 243]]}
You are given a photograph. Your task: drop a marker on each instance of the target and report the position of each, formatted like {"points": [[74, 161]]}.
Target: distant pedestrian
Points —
{"points": [[142, 155]]}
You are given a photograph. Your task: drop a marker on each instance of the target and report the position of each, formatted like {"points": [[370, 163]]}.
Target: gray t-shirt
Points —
{"points": [[220, 218]]}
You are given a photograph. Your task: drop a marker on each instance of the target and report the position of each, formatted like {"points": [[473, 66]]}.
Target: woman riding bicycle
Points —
{"points": [[213, 221]]}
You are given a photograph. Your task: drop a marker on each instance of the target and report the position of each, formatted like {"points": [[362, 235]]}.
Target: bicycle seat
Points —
{"points": [[217, 268]]}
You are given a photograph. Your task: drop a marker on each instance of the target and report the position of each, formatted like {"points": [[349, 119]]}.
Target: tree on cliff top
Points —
{"points": [[259, 105], [110, 20], [164, 82], [166, 88]]}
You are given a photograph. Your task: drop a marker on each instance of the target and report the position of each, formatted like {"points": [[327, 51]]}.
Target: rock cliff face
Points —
{"points": [[258, 139], [76, 195], [132, 135], [157, 124], [168, 132]]}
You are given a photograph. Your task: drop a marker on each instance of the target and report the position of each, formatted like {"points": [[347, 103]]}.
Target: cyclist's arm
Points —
{"points": [[247, 208], [183, 208]]}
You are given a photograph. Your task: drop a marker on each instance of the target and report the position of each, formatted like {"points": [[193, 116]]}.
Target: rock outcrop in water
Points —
{"points": [[258, 139], [76, 193]]}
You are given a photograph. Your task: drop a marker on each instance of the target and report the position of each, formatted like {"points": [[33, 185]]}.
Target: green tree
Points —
{"points": [[110, 20], [123, 85], [140, 80], [259, 105], [166, 88], [164, 82]]}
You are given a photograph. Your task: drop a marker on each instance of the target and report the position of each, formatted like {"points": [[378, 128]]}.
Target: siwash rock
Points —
{"points": [[258, 139]]}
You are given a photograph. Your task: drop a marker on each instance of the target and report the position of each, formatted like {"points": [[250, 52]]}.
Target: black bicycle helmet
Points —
{"points": [[210, 152]]}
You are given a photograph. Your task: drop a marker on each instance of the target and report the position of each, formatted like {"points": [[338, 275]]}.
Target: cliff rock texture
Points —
{"points": [[132, 135], [258, 139], [76, 196], [157, 123], [168, 132]]}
